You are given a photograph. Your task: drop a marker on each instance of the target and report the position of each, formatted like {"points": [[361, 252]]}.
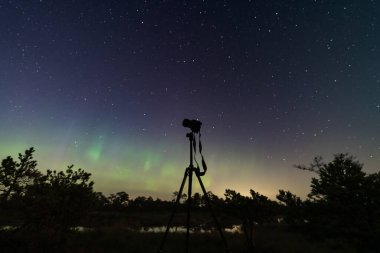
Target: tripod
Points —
{"points": [[189, 174]]}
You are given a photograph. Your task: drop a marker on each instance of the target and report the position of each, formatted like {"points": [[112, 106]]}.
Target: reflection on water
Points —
{"points": [[8, 227], [234, 229], [78, 228], [82, 229], [162, 229], [158, 229]]}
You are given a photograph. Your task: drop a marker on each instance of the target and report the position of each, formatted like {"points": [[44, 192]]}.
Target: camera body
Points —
{"points": [[194, 125]]}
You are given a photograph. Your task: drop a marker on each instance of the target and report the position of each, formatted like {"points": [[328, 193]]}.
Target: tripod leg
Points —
{"points": [[188, 209], [173, 211], [212, 213]]}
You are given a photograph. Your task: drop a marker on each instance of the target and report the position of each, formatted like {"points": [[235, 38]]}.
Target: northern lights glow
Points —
{"points": [[106, 86]]}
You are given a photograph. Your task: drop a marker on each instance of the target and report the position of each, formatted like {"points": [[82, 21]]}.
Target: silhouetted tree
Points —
{"points": [[214, 199], [16, 175], [343, 194], [263, 209], [139, 201], [239, 206], [197, 200], [119, 201], [372, 201], [59, 200], [293, 207], [162, 205], [182, 198], [100, 201]]}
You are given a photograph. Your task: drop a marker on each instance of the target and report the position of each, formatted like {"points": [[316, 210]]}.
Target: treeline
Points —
{"points": [[344, 203]]}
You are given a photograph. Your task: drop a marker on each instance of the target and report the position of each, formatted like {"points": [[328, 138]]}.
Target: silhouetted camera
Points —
{"points": [[194, 125]]}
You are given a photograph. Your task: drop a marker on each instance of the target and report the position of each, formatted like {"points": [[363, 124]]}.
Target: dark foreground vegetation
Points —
{"points": [[39, 212]]}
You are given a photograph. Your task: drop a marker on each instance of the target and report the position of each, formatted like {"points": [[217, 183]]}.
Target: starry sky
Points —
{"points": [[105, 85]]}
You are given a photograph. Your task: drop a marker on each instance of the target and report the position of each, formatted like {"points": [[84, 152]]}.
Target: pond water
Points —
{"points": [[162, 229], [157, 229], [8, 227]]}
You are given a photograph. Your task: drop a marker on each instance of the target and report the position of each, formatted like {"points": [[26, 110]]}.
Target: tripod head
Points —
{"points": [[194, 125]]}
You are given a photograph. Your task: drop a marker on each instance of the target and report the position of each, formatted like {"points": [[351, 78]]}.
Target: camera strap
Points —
{"points": [[204, 166]]}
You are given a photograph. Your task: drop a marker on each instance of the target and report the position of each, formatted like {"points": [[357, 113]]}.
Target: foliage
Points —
{"points": [[292, 207], [344, 201], [59, 200], [372, 201], [251, 211], [343, 204], [119, 200], [16, 175], [339, 181], [100, 201]]}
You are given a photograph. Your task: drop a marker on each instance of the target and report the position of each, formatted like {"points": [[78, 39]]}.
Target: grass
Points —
{"points": [[116, 240]]}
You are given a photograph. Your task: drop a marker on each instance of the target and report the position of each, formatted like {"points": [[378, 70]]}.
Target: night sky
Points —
{"points": [[105, 85]]}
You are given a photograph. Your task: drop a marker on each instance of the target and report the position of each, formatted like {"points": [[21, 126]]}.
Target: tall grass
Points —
{"points": [[268, 239]]}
